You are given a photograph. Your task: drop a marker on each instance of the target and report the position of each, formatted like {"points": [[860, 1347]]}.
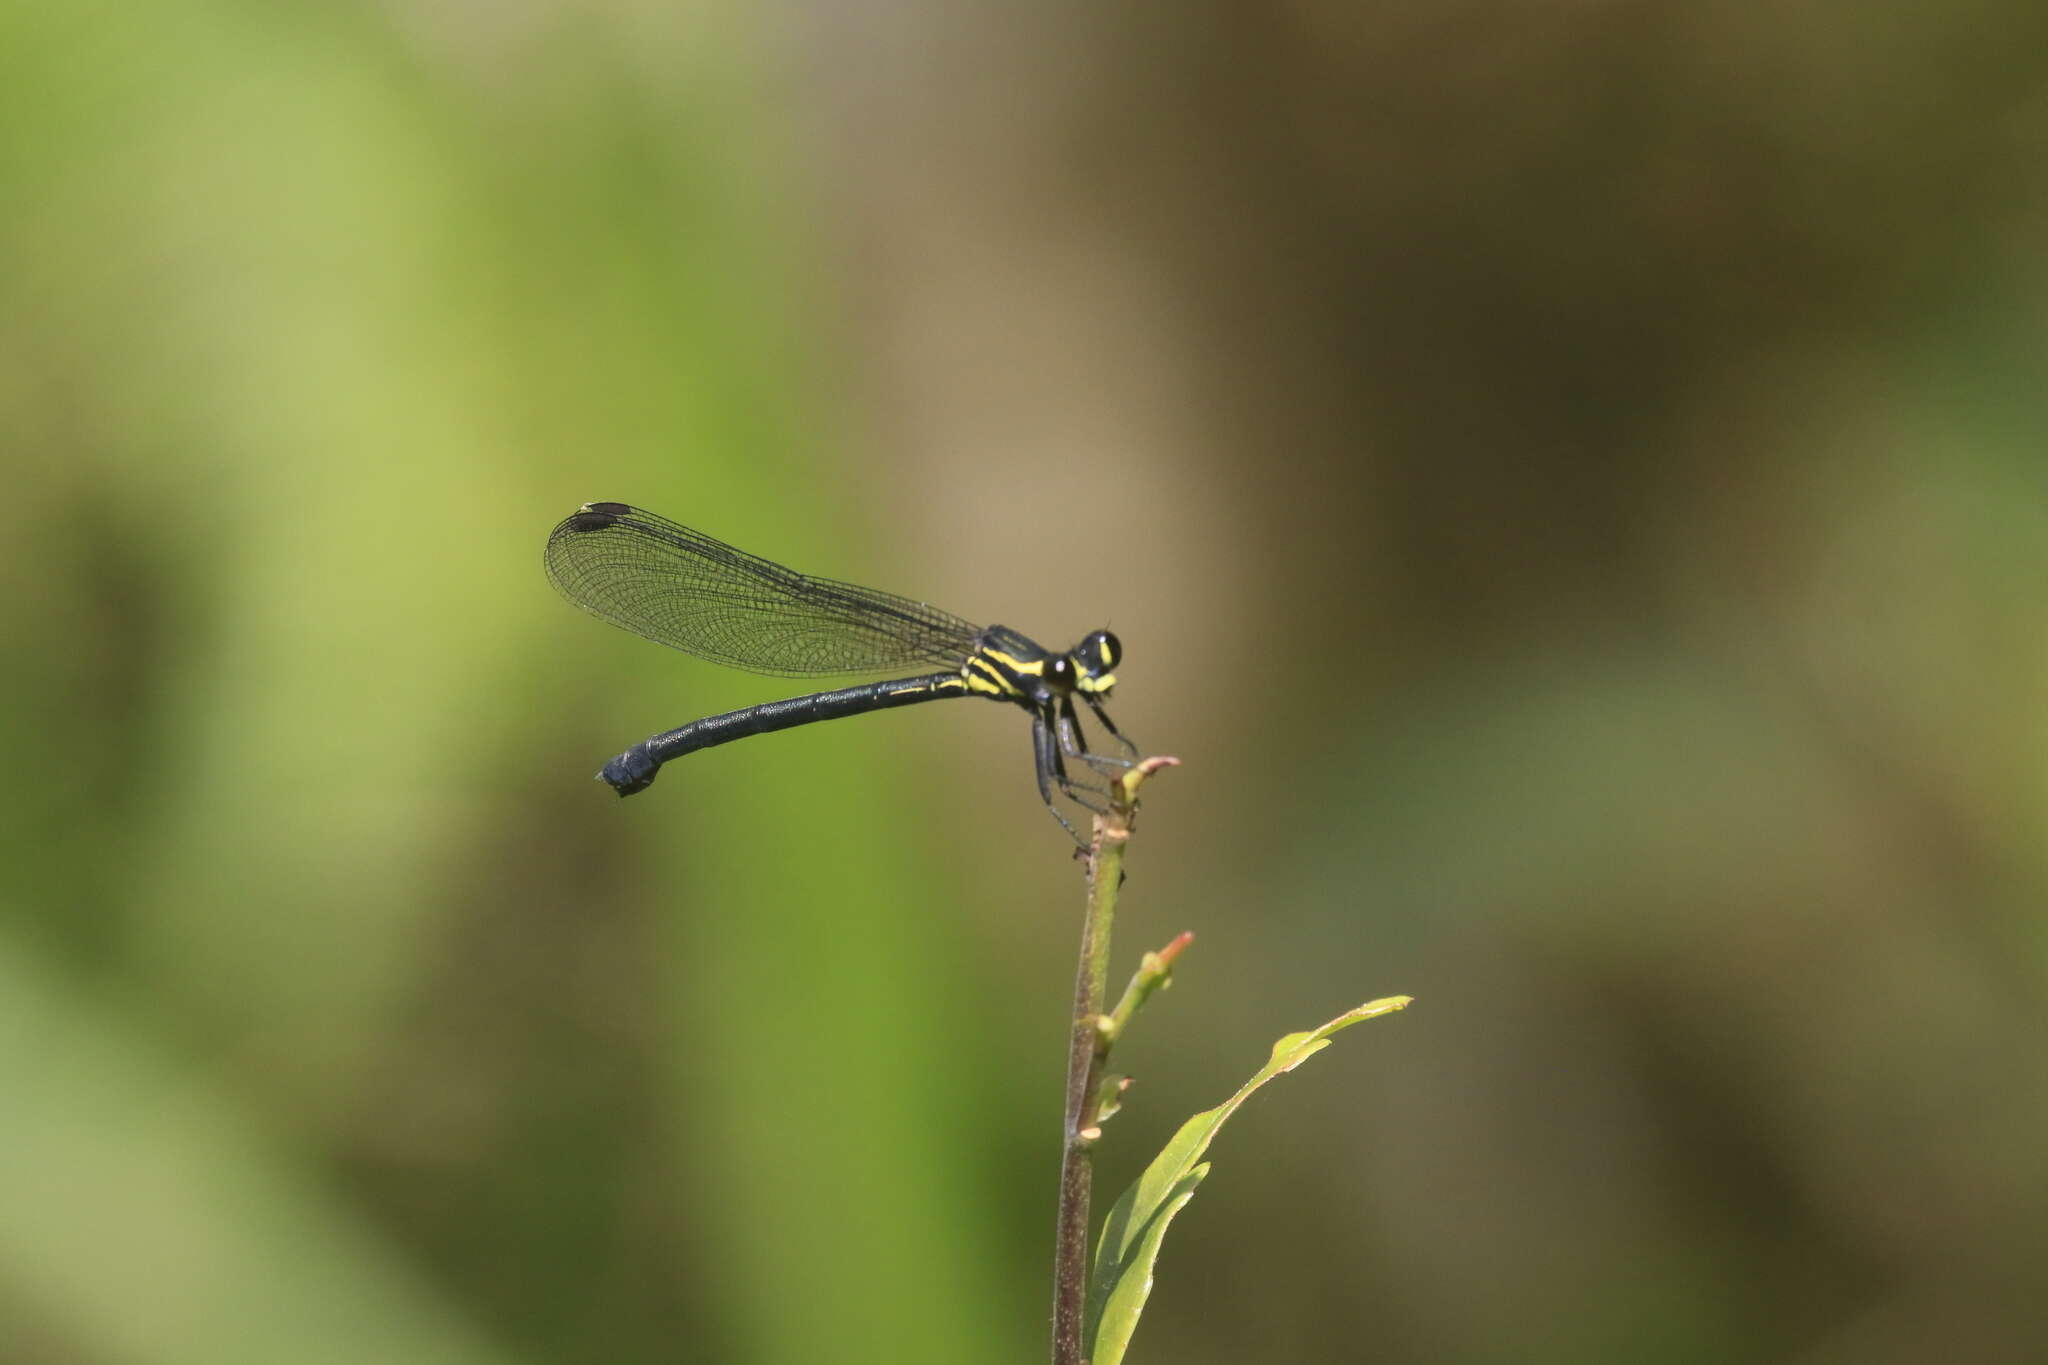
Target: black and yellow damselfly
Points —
{"points": [[680, 588]]}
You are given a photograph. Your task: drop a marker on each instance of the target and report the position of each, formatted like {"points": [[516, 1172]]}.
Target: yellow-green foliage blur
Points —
{"points": [[1569, 480]]}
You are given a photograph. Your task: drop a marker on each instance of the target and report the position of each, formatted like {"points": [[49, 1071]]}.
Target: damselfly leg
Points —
{"points": [[1045, 749], [1074, 741]]}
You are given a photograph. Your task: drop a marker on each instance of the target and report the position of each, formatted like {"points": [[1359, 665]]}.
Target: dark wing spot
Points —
{"points": [[596, 516]]}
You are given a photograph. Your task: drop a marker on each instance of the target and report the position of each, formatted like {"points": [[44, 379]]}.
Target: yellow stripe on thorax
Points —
{"points": [[1016, 665], [985, 678]]}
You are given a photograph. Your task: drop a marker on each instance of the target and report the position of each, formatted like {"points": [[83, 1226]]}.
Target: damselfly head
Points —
{"points": [[1095, 660]]}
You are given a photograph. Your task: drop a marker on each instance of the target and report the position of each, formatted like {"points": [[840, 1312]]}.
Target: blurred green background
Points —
{"points": [[1569, 480]]}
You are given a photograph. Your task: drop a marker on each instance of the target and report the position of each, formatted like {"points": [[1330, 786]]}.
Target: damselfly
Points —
{"points": [[679, 587]]}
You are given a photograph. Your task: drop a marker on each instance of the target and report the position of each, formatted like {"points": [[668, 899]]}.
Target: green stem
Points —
{"points": [[1155, 970], [1088, 1047]]}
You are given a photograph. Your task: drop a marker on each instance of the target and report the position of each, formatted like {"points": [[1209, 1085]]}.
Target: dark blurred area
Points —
{"points": [[1568, 480]]}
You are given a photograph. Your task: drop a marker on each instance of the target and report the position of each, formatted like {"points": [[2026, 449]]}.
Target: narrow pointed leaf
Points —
{"points": [[1131, 1235]]}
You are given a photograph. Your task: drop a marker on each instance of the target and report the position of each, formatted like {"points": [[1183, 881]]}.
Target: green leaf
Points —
{"points": [[1131, 1234]]}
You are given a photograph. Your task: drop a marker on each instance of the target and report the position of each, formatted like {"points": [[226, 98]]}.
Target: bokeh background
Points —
{"points": [[1569, 479]]}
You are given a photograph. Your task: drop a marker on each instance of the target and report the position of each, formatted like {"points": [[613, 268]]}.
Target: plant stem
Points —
{"points": [[1084, 1060], [1088, 1046]]}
